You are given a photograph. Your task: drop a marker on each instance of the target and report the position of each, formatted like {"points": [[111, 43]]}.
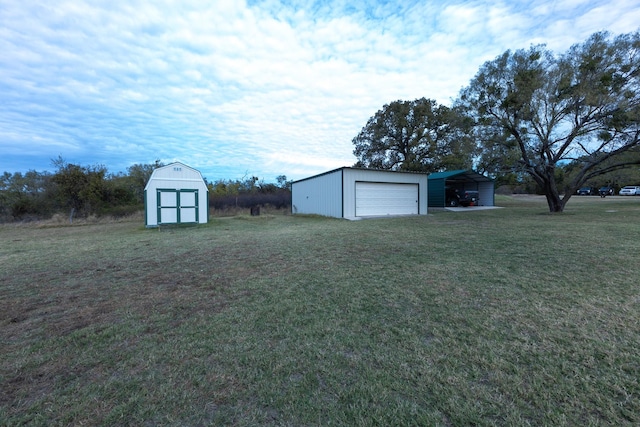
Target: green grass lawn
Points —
{"points": [[502, 317]]}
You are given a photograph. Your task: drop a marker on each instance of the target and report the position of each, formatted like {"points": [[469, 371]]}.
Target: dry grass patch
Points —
{"points": [[502, 317]]}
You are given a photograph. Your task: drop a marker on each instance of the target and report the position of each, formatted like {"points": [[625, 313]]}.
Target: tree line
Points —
{"points": [[553, 123], [81, 191], [248, 192]]}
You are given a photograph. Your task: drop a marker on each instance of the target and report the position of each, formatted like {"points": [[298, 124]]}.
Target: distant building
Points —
{"points": [[176, 194]]}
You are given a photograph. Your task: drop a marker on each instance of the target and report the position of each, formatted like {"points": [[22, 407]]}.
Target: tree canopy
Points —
{"points": [[417, 135], [545, 110]]}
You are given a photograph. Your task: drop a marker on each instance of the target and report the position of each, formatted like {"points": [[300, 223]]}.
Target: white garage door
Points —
{"points": [[374, 199]]}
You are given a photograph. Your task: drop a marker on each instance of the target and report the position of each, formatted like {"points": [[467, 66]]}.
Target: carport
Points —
{"points": [[442, 183]]}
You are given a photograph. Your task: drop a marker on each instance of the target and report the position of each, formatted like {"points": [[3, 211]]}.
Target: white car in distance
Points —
{"points": [[630, 190]]}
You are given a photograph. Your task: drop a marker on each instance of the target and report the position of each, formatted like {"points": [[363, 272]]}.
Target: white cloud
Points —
{"points": [[264, 87]]}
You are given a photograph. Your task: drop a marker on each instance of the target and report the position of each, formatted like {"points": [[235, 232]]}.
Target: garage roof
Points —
{"points": [[460, 175], [362, 169]]}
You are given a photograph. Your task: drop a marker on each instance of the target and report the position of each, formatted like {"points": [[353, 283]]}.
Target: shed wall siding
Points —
{"points": [[177, 172], [321, 195]]}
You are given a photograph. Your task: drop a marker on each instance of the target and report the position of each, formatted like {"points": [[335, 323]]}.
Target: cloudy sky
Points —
{"points": [[240, 88]]}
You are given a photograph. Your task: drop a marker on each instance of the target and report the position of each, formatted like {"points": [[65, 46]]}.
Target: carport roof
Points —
{"points": [[460, 175]]}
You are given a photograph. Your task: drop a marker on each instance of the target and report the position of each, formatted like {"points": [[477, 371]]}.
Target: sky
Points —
{"points": [[241, 88]]}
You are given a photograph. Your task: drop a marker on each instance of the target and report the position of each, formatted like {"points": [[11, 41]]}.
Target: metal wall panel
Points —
{"points": [[486, 193], [437, 195], [321, 195]]}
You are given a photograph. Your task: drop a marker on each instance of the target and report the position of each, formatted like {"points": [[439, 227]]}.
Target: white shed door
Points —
{"points": [[375, 198], [188, 206], [167, 207], [177, 206]]}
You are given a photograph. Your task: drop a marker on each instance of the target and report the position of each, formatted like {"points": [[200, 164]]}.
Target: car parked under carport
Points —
{"points": [[443, 184]]}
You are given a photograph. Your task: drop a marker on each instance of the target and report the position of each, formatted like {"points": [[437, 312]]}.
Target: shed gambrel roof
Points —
{"points": [[460, 175]]}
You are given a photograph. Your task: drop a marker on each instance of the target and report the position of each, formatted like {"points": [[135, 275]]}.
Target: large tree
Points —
{"points": [[139, 175], [582, 106], [417, 135], [80, 188]]}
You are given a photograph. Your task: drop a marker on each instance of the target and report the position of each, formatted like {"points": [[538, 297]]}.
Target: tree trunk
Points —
{"points": [[548, 183], [555, 203]]}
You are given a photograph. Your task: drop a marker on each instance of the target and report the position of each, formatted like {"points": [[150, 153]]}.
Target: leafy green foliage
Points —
{"points": [[616, 177], [138, 176], [535, 111], [81, 189], [415, 135], [26, 195]]}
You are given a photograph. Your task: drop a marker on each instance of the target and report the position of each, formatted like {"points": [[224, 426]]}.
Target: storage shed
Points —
{"points": [[354, 193], [442, 183], [176, 194]]}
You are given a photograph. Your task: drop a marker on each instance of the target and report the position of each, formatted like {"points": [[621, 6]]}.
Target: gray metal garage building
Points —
{"points": [[460, 180], [353, 193]]}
